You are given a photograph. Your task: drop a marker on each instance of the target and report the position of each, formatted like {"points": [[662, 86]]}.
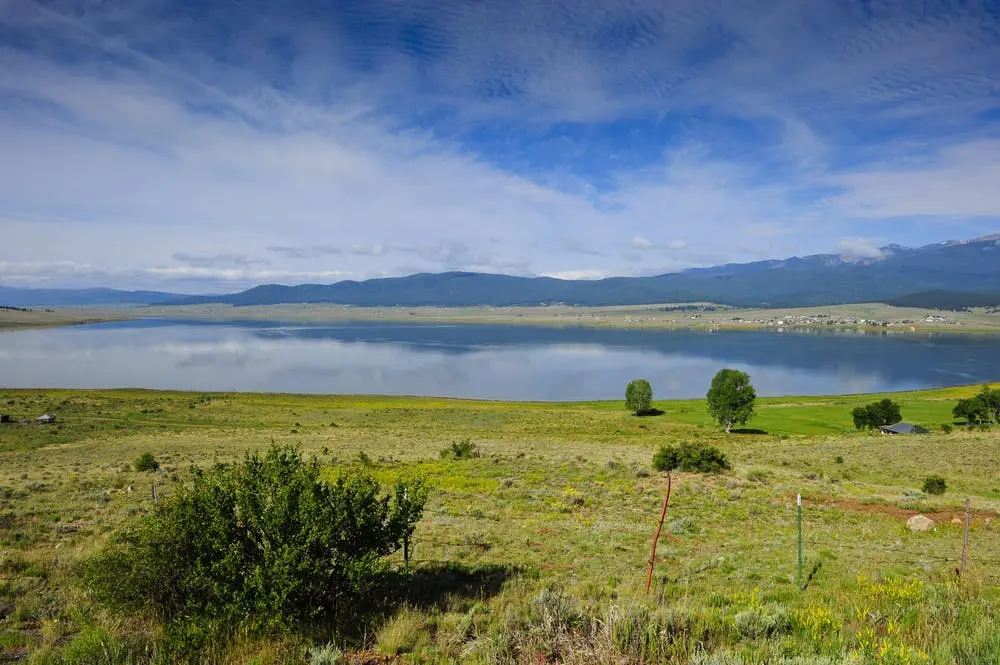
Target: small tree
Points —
{"points": [[638, 396], [876, 414], [731, 398]]}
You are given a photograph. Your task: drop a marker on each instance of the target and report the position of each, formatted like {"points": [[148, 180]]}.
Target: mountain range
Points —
{"points": [[17, 297], [942, 274]]}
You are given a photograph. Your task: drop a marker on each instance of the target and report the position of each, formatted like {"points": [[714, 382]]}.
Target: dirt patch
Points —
{"points": [[892, 510], [369, 658]]}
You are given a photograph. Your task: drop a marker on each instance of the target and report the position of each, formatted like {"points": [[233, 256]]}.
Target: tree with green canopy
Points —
{"points": [[731, 398], [638, 396], [876, 414]]}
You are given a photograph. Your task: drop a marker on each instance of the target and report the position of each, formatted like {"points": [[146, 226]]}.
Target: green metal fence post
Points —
{"points": [[799, 510]]}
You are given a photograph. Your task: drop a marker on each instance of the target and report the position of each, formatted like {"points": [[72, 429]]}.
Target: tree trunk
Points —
{"points": [[729, 427]]}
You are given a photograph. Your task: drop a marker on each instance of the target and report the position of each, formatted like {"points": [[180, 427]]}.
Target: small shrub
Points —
{"points": [[464, 449], [935, 485], [839, 459], [327, 654], [757, 622], [694, 457], [946, 428], [682, 525], [146, 462]]}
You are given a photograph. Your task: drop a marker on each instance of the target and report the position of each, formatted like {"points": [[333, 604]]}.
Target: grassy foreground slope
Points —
{"points": [[537, 550]]}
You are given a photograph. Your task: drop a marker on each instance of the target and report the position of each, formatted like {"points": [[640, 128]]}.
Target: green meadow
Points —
{"points": [[535, 550]]}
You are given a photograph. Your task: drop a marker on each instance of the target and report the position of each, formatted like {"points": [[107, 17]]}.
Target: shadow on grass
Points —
{"points": [[650, 412], [425, 587], [433, 586], [748, 430]]}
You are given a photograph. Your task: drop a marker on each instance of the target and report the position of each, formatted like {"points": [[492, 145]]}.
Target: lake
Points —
{"points": [[481, 361]]}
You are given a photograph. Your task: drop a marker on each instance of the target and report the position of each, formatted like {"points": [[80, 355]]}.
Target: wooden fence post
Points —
{"points": [[656, 537]]}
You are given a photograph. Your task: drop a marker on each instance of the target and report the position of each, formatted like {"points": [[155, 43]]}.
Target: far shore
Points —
{"points": [[865, 317], [872, 317]]}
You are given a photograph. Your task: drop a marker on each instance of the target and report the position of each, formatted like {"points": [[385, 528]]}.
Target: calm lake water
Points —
{"points": [[490, 362]]}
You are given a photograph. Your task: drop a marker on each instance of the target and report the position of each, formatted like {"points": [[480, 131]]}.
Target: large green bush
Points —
{"points": [[266, 544], [694, 457]]}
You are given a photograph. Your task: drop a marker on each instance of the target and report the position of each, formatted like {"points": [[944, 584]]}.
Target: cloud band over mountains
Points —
{"points": [[212, 146]]}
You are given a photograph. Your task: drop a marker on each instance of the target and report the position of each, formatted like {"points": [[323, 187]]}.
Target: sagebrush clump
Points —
{"points": [[694, 457], [146, 462], [935, 484], [464, 449]]}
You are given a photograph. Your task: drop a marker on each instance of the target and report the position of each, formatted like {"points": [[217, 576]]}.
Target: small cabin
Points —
{"points": [[902, 428], [5, 418], [46, 419]]}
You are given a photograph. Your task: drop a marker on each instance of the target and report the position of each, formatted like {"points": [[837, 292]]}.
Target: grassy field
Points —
{"points": [[662, 316], [536, 551]]}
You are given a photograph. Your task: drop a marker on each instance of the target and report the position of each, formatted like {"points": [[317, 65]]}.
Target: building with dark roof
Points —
{"points": [[903, 428]]}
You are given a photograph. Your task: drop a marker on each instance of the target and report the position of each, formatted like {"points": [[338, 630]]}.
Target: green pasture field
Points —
{"points": [[537, 550]]}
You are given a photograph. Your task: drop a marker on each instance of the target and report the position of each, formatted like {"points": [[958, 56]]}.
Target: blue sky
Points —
{"points": [[212, 146]]}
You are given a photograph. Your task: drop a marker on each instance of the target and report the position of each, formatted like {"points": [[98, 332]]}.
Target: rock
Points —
{"points": [[920, 523]]}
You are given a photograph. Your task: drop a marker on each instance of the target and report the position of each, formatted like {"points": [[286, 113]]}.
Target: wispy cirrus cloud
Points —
{"points": [[218, 145]]}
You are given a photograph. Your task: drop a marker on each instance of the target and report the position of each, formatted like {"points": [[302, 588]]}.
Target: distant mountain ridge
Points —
{"points": [[822, 279], [15, 297], [970, 268]]}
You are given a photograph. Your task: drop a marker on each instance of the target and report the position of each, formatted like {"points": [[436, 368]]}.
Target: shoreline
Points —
{"points": [[862, 318], [936, 393]]}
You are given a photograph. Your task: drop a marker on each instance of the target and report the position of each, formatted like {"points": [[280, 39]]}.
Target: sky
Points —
{"points": [[211, 146]]}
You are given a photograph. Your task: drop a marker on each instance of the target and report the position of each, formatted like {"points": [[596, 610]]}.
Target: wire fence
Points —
{"points": [[871, 552]]}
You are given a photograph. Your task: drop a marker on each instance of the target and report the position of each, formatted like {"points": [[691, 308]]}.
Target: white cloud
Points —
{"points": [[186, 278], [579, 274], [859, 248], [147, 156], [960, 181]]}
